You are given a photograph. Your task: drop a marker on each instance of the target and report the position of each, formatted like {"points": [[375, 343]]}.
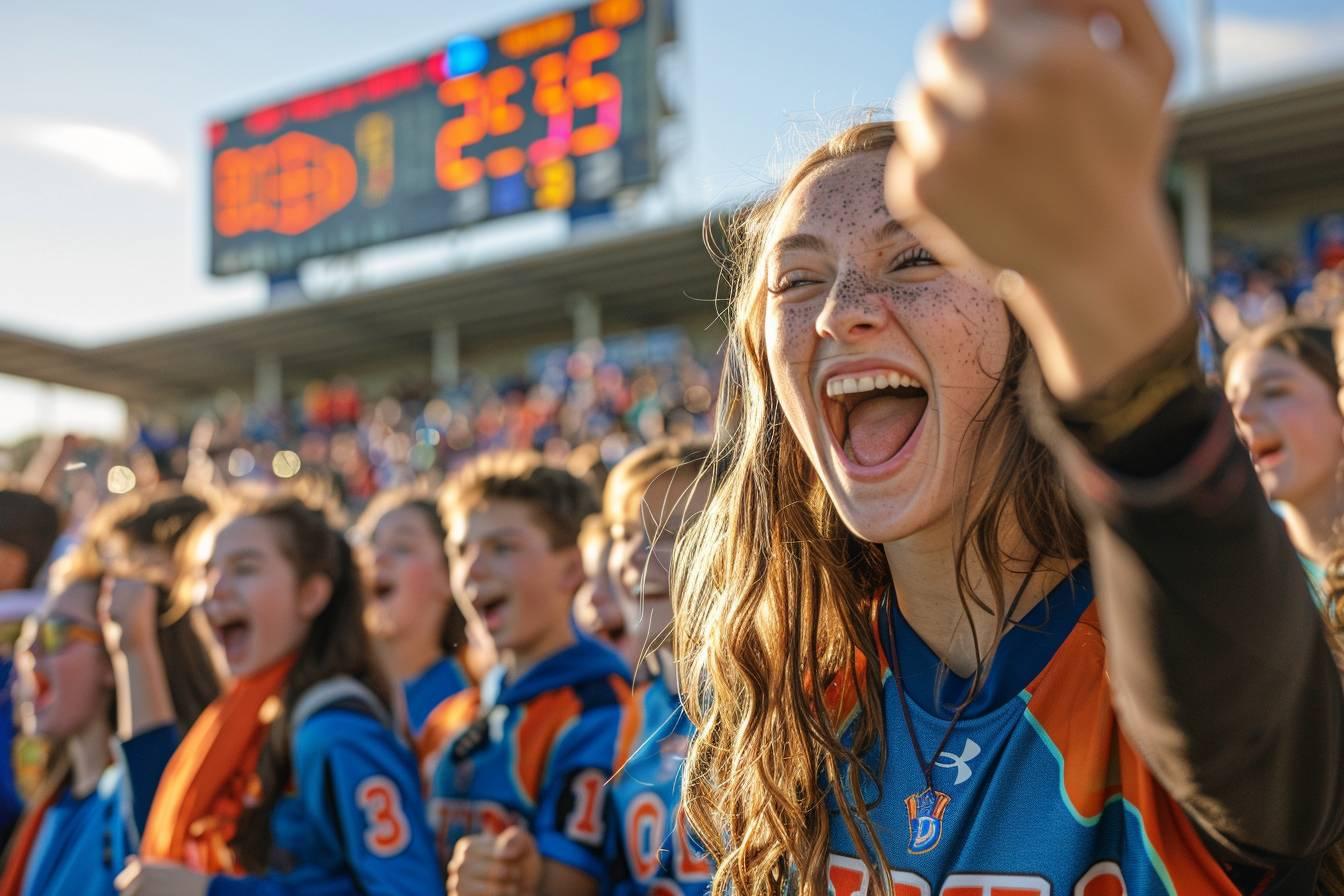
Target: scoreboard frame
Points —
{"points": [[380, 157]]}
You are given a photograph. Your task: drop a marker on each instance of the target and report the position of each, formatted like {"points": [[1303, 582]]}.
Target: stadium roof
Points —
{"points": [[642, 279], [1268, 146]]}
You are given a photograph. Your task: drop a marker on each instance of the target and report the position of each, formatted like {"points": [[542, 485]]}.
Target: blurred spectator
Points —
{"points": [[582, 409]]}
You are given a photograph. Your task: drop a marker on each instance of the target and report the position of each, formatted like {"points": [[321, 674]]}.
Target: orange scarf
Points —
{"points": [[212, 777], [16, 861]]}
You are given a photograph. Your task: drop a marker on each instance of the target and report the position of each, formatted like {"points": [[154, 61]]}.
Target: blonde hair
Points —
{"points": [[776, 597]]}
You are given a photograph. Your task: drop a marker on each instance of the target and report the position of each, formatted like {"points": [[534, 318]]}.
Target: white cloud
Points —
{"points": [[113, 153], [1248, 49]]}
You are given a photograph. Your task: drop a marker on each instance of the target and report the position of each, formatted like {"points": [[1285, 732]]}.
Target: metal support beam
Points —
{"points": [[1196, 219], [268, 389], [586, 312], [445, 355]]}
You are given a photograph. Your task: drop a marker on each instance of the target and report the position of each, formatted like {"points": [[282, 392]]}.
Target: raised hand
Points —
{"points": [[1034, 142], [504, 865]]}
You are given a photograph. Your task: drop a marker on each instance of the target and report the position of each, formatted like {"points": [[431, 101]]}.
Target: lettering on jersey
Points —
{"points": [[388, 831], [995, 885], [644, 829], [692, 863], [452, 819], [1102, 879], [848, 877], [961, 763], [926, 810], [584, 821]]}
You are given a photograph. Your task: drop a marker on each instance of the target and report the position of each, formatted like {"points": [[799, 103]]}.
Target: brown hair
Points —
{"points": [[337, 645], [162, 517], [630, 478], [776, 597], [30, 523], [453, 633], [558, 500], [1306, 342]]}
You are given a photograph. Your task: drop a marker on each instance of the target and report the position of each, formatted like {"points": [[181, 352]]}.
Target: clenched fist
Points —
{"points": [[1034, 141]]}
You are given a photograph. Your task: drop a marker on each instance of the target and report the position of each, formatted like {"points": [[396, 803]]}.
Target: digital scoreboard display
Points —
{"points": [[552, 113]]}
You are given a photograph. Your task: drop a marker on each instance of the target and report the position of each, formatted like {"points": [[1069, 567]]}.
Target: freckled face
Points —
{"points": [[854, 301]]}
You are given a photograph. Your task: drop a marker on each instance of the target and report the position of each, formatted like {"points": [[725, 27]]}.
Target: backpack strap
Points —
{"points": [[341, 692]]}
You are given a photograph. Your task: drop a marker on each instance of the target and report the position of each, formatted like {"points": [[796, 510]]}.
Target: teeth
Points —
{"points": [[849, 385]]}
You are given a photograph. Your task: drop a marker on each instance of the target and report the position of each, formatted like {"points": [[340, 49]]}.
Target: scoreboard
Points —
{"points": [[553, 113]]}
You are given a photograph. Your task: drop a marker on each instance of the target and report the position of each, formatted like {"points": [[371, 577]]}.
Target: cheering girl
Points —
{"points": [[295, 779], [900, 678]]}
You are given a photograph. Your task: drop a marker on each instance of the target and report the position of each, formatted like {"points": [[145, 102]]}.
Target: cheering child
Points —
{"points": [[518, 766], [417, 627], [597, 609], [294, 780], [1281, 382]]}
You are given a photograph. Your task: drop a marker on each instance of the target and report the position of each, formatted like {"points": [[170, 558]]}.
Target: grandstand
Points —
{"points": [[1251, 163]]}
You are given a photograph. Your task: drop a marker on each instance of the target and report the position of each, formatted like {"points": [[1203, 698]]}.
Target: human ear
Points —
{"points": [[314, 595]]}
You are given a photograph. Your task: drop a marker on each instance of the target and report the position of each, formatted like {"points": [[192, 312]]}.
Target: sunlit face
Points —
{"points": [[258, 608], [1287, 417], [64, 686], [407, 576], [507, 576], [881, 356], [642, 551]]}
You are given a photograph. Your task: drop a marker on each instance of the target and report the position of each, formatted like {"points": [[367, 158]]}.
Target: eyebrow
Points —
{"points": [[806, 242], [494, 534], [799, 242], [235, 557], [892, 230]]}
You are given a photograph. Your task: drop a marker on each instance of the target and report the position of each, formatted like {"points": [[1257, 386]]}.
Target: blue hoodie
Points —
{"points": [[538, 754]]}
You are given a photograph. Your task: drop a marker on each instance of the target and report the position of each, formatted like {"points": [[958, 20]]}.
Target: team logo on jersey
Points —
{"points": [[960, 763], [926, 810]]}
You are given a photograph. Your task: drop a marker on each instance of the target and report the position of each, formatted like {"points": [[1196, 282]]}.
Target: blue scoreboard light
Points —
{"points": [[553, 112]]}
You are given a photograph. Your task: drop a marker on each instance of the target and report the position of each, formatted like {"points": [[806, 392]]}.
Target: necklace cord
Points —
{"points": [[926, 768]]}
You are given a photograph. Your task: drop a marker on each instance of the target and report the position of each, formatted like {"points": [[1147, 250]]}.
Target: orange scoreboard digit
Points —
{"points": [[550, 113]]}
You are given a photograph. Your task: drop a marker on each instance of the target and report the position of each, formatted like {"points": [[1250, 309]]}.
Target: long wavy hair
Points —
{"points": [[776, 596], [337, 644]]}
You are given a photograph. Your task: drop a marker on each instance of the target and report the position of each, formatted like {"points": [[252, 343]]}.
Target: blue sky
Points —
{"points": [[102, 159]]}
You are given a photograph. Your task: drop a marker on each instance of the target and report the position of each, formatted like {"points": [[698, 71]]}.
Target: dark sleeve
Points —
{"points": [[144, 757], [1218, 659]]}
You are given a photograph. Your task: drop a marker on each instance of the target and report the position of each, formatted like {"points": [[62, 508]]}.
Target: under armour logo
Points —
{"points": [[960, 763]]}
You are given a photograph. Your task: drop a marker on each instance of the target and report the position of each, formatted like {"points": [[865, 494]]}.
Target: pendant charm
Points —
{"points": [[926, 810]]}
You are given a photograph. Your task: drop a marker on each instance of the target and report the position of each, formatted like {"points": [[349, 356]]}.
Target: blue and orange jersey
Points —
{"points": [[536, 752], [354, 821], [82, 844], [650, 848], [431, 687], [1037, 789]]}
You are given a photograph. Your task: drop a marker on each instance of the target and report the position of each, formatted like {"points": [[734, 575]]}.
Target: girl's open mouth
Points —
{"points": [[235, 637], [872, 415]]}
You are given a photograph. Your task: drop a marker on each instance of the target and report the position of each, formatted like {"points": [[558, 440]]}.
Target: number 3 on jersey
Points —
{"points": [[387, 832], [584, 822]]}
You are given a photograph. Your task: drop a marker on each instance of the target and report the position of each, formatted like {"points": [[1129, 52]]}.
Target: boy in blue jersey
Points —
{"points": [[650, 496], [523, 760]]}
